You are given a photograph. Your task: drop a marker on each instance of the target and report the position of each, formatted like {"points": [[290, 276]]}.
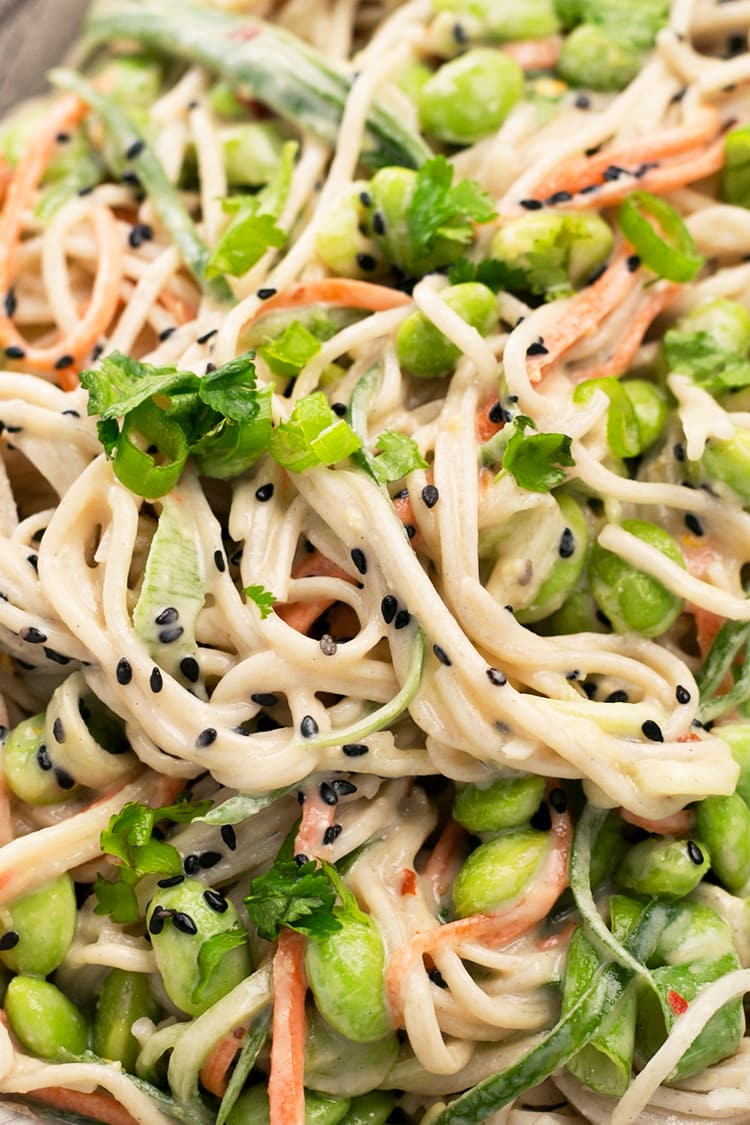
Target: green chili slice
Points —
{"points": [[666, 245], [139, 470]]}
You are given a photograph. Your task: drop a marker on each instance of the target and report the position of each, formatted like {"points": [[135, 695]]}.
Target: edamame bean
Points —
{"points": [[371, 1109], [498, 871], [337, 1065], [507, 802], [567, 567], [650, 405], [724, 824], [728, 460], [252, 152], [340, 242], [180, 920], [412, 79], [43, 1020], [29, 768], [737, 738], [125, 997], [665, 867], [44, 921], [631, 599], [345, 972], [579, 613], [251, 1108], [553, 252], [594, 57], [726, 322], [391, 191], [531, 20], [422, 348], [697, 932], [470, 96]]}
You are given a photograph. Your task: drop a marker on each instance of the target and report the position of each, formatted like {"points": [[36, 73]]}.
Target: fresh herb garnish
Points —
{"points": [[709, 365], [440, 209], [398, 455], [263, 598], [211, 954], [288, 353], [301, 898], [537, 461], [313, 435]]}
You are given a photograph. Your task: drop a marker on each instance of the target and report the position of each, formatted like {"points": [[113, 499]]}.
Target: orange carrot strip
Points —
{"points": [[497, 929], [631, 340], [699, 557], [301, 615], [678, 824], [215, 1070], [286, 1094], [405, 512], [317, 817], [181, 310], [535, 54], [345, 291], [96, 1105], [446, 857], [484, 427]]}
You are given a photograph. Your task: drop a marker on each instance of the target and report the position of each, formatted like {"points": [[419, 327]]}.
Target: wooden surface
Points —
{"points": [[34, 35]]}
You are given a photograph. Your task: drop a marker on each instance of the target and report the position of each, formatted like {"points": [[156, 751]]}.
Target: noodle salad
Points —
{"points": [[374, 475]]}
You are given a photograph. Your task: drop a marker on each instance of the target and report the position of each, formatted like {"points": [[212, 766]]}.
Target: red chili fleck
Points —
{"points": [[691, 736], [408, 882], [244, 33], [677, 1003]]}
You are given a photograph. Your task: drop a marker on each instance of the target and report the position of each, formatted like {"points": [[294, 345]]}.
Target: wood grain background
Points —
{"points": [[34, 35]]}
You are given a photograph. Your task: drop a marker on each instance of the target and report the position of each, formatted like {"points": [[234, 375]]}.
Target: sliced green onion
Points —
{"points": [[139, 470], [672, 252], [623, 431], [735, 176], [386, 714], [724, 648], [314, 435]]}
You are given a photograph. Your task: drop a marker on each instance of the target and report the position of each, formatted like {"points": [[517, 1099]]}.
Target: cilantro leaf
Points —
{"points": [[399, 455], [121, 383], [314, 435], [231, 389], [288, 353], [244, 242], [301, 898], [263, 598], [211, 954], [700, 356], [117, 898], [439, 208], [537, 461]]}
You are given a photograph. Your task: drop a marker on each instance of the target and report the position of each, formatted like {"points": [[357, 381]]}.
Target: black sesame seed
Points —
{"points": [[184, 923], [682, 695], [87, 189], [191, 864], [123, 672], [220, 562], [266, 292], [207, 336], [58, 730], [442, 655], [496, 677], [633, 263], [583, 101], [410, 530], [355, 749], [10, 302], [167, 332], [63, 778], [169, 636], [430, 496], [359, 560], [694, 853], [301, 859], [301, 798], [155, 681], [327, 645], [328, 793], [43, 759], [170, 881], [613, 172], [140, 233], [209, 859], [532, 204], [343, 787], [496, 414], [9, 940], [367, 263], [558, 799], [589, 690], [32, 636], [167, 616], [567, 544], [541, 820], [678, 449], [692, 523], [559, 197], [619, 696], [331, 834], [190, 670], [265, 698], [157, 919], [72, 413], [64, 361], [589, 189], [678, 96], [437, 978], [206, 737], [378, 223], [459, 34], [264, 493], [388, 608], [365, 199], [229, 836], [537, 348], [403, 617], [339, 409], [652, 731], [216, 901], [135, 149], [14, 352], [308, 728]]}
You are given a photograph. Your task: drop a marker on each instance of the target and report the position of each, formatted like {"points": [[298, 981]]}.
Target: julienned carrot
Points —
{"points": [[344, 291], [629, 343], [535, 54], [485, 428], [699, 557], [445, 859], [177, 306], [286, 1094], [317, 818], [578, 172], [301, 615], [585, 311], [405, 512], [215, 1070], [97, 1105], [495, 929], [678, 824]]}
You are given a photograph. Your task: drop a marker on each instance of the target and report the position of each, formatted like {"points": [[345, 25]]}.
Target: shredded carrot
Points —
{"points": [[286, 1094], [700, 556], [497, 929], [445, 859], [485, 428], [678, 824], [317, 817], [97, 1105], [180, 309], [535, 54], [405, 512], [301, 615], [344, 291], [215, 1070], [629, 343]]}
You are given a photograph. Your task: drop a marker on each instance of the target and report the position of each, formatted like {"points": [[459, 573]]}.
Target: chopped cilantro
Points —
{"points": [[537, 461], [211, 954], [398, 455], [301, 898], [263, 598]]}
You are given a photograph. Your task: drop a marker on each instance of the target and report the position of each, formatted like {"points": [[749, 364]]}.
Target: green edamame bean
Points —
{"points": [[28, 766], [594, 57], [697, 932], [391, 191], [498, 871], [579, 613], [371, 1109], [180, 919], [470, 96], [650, 405], [507, 802], [251, 1108], [45, 922], [337, 1065], [345, 972], [631, 599], [724, 824], [531, 20], [340, 242], [728, 461], [223, 101], [567, 567], [554, 252], [726, 322], [737, 738], [665, 867], [412, 78], [125, 998], [422, 348], [43, 1020], [252, 152]]}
